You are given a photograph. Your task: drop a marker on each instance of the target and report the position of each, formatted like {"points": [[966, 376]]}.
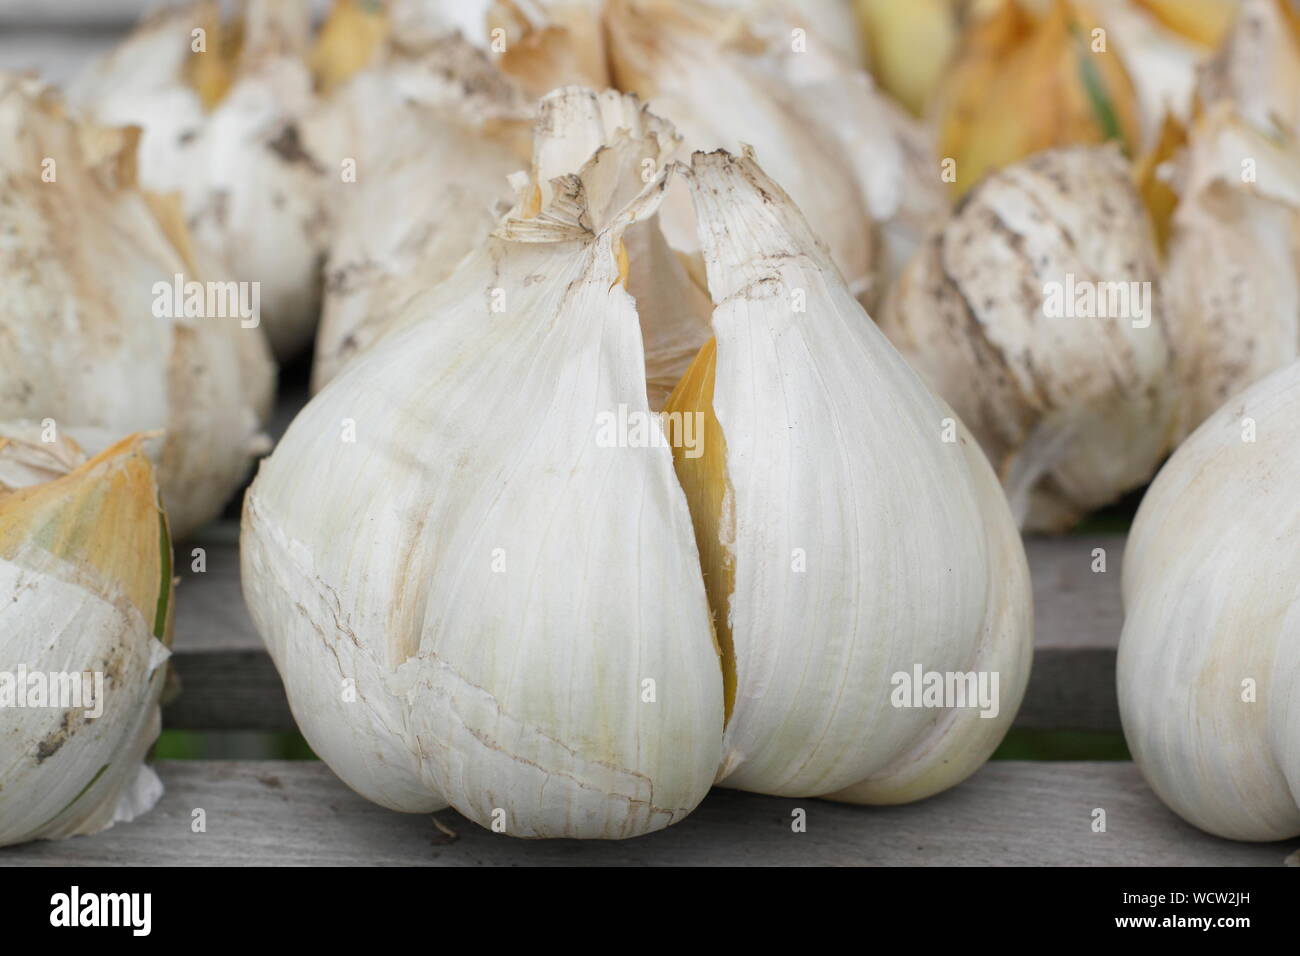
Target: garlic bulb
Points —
{"points": [[1036, 313], [1209, 660], [1233, 272], [430, 140], [495, 599], [92, 333], [85, 612], [221, 127]]}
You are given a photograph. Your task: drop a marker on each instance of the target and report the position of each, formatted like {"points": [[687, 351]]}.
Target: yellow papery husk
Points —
{"points": [[1020, 84]]}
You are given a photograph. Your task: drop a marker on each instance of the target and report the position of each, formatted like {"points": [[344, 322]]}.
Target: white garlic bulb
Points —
{"points": [[431, 137], [1232, 275], [1209, 660], [495, 600], [1037, 314], [85, 617], [229, 141], [86, 264]]}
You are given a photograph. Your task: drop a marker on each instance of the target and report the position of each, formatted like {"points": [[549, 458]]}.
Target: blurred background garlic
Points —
{"points": [[220, 103], [1209, 661], [93, 338], [710, 72], [1036, 312], [1257, 67], [1232, 277], [425, 138], [85, 598]]}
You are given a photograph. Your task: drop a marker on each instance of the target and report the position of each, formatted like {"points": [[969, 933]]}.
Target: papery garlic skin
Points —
{"points": [[85, 588], [499, 586], [834, 457], [1209, 660], [433, 138], [1232, 275], [82, 344], [1072, 410], [250, 192]]}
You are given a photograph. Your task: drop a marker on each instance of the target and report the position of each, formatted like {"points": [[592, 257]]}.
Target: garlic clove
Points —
{"points": [[1210, 653], [500, 605], [812, 621], [85, 570], [1036, 312]]}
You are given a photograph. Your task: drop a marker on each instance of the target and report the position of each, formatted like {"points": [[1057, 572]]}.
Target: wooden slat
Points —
{"points": [[1028, 814], [229, 683]]}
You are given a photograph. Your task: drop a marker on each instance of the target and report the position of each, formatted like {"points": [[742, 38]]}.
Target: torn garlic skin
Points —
{"points": [[486, 606], [85, 567], [1209, 660]]}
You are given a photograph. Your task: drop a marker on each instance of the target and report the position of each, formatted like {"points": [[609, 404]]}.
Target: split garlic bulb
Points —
{"points": [[1209, 661], [87, 261], [221, 127], [1036, 313], [85, 618], [432, 137], [495, 599], [1232, 275]]}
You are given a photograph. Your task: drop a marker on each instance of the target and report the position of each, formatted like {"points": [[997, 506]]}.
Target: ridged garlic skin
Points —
{"points": [[84, 555], [1072, 411], [834, 452], [1209, 660], [79, 340], [498, 586]]}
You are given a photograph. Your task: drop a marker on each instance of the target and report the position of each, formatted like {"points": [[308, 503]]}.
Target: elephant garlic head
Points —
{"points": [[515, 590], [85, 615], [1036, 312], [1209, 660]]}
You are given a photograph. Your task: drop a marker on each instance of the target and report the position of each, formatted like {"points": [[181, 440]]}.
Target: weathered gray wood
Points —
{"points": [[229, 683], [294, 813]]}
